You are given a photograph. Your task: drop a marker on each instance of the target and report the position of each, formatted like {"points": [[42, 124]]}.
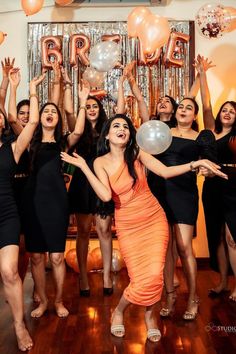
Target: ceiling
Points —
{"points": [[15, 5]]}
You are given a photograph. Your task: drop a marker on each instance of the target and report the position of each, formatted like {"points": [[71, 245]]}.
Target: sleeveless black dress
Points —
{"points": [[9, 219], [219, 200], [179, 195], [82, 198], [45, 211]]}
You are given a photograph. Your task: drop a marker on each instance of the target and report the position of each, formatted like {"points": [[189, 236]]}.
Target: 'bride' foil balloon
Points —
{"points": [[213, 20], [154, 137], [104, 55]]}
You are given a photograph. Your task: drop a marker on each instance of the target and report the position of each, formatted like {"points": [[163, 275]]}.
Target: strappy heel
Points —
{"points": [[191, 315], [167, 311]]}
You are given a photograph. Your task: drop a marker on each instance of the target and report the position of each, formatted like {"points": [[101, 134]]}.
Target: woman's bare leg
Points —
{"points": [[103, 227], [14, 293], [84, 222]]}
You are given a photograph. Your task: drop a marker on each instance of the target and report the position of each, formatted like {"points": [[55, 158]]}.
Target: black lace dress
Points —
{"points": [[219, 199], [179, 195]]}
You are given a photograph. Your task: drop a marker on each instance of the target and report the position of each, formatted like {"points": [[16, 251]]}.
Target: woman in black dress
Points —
{"points": [[9, 220], [219, 199], [179, 198], [46, 211], [82, 199]]}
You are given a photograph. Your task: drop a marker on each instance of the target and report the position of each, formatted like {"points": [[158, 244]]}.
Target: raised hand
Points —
{"points": [[75, 160], [83, 91], [14, 77], [202, 64], [56, 72], [36, 81], [65, 76], [7, 65]]}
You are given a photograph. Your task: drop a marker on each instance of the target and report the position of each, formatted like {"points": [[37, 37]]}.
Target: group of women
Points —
{"points": [[118, 174]]}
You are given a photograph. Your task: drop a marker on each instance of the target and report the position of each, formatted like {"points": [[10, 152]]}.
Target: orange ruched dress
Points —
{"points": [[142, 233]]}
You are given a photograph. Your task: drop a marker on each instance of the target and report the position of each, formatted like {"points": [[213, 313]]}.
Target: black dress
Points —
{"points": [[219, 200], [179, 195], [45, 211], [82, 198], [9, 219]]}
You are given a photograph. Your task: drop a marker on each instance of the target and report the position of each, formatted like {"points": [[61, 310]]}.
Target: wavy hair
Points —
{"points": [[131, 150], [218, 123]]}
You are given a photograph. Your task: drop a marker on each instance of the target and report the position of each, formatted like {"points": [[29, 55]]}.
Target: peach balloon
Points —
{"points": [[71, 257], [153, 33], [97, 258], [231, 12], [63, 2], [31, 7], [2, 37], [135, 19]]}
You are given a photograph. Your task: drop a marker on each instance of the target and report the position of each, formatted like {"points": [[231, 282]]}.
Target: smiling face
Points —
{"points": [[23, 115], [92, 110], [49, 116], [227, 115], [185, 113], [119, 133], [165, 106]]}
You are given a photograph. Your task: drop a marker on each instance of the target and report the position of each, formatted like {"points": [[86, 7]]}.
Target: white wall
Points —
{"points": [[222, 79]]}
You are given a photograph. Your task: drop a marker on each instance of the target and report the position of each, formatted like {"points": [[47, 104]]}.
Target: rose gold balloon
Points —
{"points": [[63, 2], [31, 7], [2, 37], [97, 258], [51, 47], [98, 93], [148, 59], [79, 47], [135, 19], [153, 33], [174, 55]]}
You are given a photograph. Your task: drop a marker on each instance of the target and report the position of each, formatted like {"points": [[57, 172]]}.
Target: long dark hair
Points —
{"points": [[84, 146], [7, 134], [194, 125], [131, 150], [218, 123], [21, 104], [172, 122], [38, 134]]}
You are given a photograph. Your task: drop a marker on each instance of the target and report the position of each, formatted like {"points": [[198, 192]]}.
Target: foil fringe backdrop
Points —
{"points": [[172, 81]]}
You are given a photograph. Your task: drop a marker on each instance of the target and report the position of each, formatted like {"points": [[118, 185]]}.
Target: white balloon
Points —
{"points": [[154, 137], [104, 55], [94, 77]]}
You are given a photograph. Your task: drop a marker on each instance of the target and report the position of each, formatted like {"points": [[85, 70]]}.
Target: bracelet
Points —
{"points": [[56, 82], [2, 88], [67, 83], [33, 95], [192, 169], [82, 107]]}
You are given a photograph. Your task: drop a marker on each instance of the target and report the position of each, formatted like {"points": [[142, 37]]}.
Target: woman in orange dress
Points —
{"points": [[141, 224]]}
